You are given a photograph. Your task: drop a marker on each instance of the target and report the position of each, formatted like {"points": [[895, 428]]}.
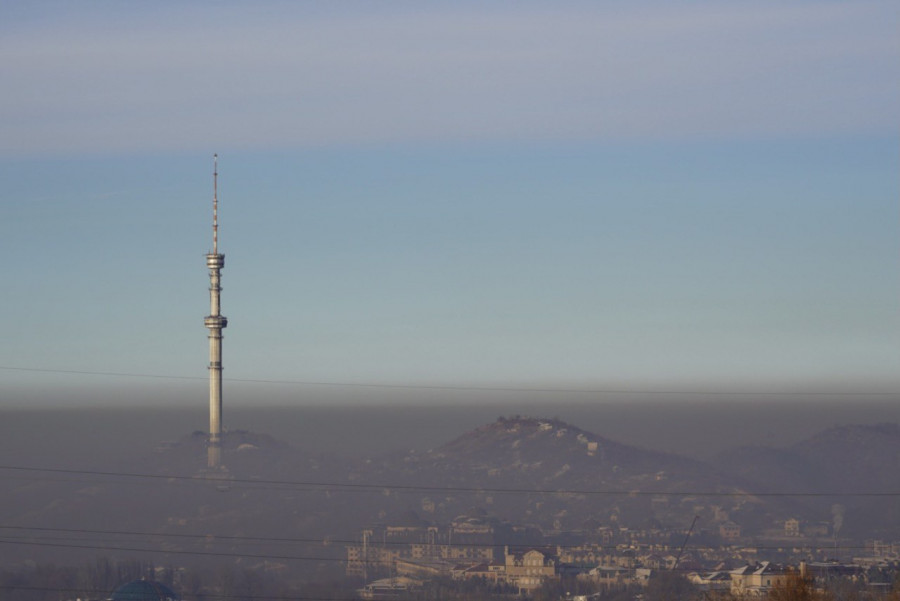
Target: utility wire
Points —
{"points": [[379, 487], [172, 551], [515, 389], [373, 543], [206, 536], [264, 556]]}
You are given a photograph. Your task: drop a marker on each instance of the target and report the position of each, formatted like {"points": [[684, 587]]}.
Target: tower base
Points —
{"points": [[219, 477]]}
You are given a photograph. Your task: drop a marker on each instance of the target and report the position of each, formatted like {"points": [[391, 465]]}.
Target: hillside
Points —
{"points": [[575, 475], [856, 462], [530, 471]]}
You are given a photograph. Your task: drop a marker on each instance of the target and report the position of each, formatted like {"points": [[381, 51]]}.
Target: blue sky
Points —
{"points": [[583, 195]]}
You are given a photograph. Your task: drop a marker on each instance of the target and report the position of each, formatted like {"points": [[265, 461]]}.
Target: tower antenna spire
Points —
{"points": [[215, 203], [215, 322]]}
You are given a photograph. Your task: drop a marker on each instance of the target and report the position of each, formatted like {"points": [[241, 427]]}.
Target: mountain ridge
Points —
{"points": [[538, 472]]}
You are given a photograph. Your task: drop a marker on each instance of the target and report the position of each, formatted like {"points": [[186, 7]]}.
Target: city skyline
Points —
{"points": [[646, 198]]}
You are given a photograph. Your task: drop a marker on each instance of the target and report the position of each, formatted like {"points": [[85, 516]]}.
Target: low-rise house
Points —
{"points": [[423, 568], [758, 579], [389, 588], [710, 581], [493, 572], [611, 577], [455, 552]]}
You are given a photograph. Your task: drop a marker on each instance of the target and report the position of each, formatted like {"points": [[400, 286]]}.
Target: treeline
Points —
{"points": [[97, 580], [49, 582]]}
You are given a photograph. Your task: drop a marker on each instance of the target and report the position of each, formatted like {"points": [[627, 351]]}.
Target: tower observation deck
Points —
{"points": [[215, 322]]}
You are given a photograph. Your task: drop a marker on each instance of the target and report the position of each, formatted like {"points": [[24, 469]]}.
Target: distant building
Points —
{"points": [[819, 529], [792, 527], [420, 545], [730, 531], [529, 567]]}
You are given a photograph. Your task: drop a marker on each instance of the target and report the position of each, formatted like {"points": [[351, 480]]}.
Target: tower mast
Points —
{"points": [[215, 322]]}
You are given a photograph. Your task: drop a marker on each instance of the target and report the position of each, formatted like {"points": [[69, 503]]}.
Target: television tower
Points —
{"points": [[215, 322]]}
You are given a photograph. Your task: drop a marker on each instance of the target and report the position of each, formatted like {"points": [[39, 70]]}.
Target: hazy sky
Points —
{"points": [[643, 195]]}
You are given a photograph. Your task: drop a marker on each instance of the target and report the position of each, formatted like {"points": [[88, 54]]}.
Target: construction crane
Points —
{"points": [[684, 544]]}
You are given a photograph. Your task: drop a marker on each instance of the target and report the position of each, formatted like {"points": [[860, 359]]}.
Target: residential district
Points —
{"points": [[479, 557], [396, 559]]}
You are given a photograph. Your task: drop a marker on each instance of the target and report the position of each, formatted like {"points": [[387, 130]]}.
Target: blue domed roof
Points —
{"points": [[144, 590]]}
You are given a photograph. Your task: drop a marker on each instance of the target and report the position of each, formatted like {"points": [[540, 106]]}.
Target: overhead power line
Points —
{"points": [[172, 551], [212, 538], [269, 556], [205, 537], [379, 487], [460, 388]]}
